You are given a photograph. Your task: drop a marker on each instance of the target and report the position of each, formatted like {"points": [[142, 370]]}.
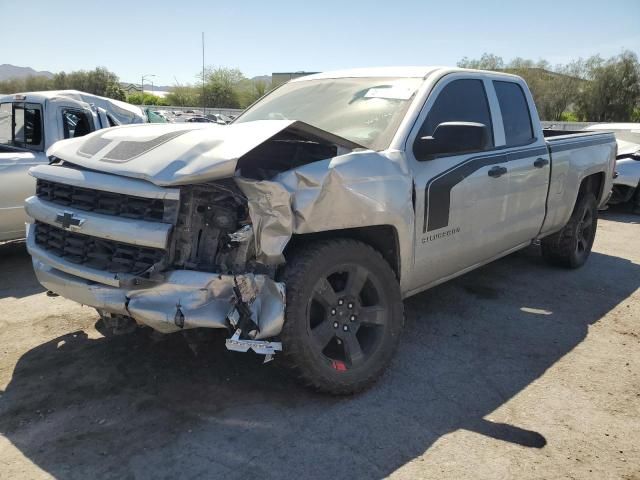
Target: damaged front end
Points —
{"points": [[180, 262], [188, 227]]}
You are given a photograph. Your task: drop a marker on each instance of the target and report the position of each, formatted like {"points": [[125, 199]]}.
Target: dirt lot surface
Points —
{"points": [[517, 370]]}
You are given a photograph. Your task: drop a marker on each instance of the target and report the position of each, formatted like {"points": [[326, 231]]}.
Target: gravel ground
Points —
{"points": [[516, 370]]}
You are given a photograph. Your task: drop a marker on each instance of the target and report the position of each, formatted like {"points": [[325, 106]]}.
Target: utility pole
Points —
{"points": [[204, 104], [147, 75]]}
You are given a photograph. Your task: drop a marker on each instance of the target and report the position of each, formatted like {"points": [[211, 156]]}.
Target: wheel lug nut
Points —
{"points": [[333, 311], [352, 318], [335, 324], [340, 302], [350, 305], [345, 328]]}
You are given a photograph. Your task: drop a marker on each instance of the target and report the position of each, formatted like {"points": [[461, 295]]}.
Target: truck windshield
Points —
{"points": [[21, 125], [366, 111]]}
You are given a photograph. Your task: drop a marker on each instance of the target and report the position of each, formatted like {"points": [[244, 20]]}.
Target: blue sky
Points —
{"points": [[162, 37]]}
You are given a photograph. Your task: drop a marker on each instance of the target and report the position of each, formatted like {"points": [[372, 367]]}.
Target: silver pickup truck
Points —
{"points": [[32, 122], [301, 226]]}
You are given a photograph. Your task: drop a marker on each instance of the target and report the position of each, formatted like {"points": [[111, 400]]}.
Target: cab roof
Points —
{"points": [[400, 72], [124, 112]]}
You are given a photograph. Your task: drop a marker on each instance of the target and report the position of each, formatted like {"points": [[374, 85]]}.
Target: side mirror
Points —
{"points": [[452, 137]]}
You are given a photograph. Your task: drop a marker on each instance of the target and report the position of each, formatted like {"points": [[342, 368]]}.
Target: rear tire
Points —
{"points": [[344, 315], [571, 246]]}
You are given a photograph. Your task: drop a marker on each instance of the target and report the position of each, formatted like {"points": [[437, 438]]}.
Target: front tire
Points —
{"points": [[571, 246], [344, 315]]}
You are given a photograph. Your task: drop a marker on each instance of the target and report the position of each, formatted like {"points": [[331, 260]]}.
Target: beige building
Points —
{"points": [[283, 77]]}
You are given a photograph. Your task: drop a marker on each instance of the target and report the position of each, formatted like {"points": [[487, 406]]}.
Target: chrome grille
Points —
{"points": [[98, 253], [98, 201]]}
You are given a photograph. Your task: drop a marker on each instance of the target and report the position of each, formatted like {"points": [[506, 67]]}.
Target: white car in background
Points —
{"points": [[626, 184], [29, 124]]}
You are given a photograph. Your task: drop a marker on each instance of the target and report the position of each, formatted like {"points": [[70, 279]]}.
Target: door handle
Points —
{"points": [[496, 172], [540, 162]]}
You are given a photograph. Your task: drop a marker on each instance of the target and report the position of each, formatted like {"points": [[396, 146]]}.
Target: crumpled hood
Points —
{"points": [[174, 154]]}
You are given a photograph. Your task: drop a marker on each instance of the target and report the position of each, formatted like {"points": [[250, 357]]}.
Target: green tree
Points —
{"points": [[554, 89], [612, 92], [34, 84], [221, 87], [488, 61], [99, 81], [183, 96], [138, 98], [26, 84], [251, 90], [116, 92], [591, 90]]}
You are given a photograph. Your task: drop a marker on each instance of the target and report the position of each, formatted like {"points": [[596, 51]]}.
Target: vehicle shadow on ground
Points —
{"points": [[130, 406], [620, 213], [14, 262]]}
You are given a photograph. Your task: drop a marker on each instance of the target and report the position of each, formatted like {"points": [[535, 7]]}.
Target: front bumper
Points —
{"points": [[166, 301], [185, 299]]}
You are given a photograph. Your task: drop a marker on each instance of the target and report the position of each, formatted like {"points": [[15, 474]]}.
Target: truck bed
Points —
{"points": [[553, 133], [574, 156], [563, 139]]}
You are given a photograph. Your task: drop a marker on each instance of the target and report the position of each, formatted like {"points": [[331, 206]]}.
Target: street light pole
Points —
{"points": [[146, 75], [204, 104]]}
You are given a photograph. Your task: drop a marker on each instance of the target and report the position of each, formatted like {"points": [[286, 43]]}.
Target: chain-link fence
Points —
{"points": [[230, 112]]}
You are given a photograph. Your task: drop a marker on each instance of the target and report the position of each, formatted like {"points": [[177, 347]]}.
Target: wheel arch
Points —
{"points": [[593, 183], [383, 238]]}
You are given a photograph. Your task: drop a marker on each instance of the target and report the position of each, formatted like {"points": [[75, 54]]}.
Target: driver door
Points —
{"points": [[461, 198]]}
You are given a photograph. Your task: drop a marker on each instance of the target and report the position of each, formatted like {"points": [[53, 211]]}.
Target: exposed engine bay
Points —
{"points": [[209, 214], [215, 231], [286, 150]]}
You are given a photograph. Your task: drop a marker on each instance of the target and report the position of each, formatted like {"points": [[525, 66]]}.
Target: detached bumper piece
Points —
{"points": [[261, 347]]}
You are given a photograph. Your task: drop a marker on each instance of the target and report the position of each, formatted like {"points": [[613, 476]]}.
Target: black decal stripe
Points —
{"points": [[129, 149], [577, 143], [438, 189]]}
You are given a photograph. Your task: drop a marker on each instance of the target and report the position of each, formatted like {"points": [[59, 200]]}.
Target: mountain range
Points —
{"points": [[8, 71]]}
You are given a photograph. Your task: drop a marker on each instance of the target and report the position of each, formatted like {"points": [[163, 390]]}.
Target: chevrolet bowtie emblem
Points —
{"points": [[68, 220]]}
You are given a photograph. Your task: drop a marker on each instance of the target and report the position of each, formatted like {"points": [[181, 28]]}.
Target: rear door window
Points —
{"points": [[515, 113], [76, 123]]}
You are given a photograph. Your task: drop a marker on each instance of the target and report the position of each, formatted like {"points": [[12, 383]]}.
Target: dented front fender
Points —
{"points": [[359, 189]]}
